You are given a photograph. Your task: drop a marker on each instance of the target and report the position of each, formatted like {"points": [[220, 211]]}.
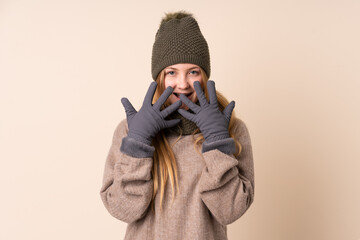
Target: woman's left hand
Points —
{"points": [[212, 122]]}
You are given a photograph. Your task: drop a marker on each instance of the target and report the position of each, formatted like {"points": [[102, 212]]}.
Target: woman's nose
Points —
{"points": [[183, 82]]}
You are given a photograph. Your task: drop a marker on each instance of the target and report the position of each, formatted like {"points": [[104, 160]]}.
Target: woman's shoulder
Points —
{"points": [[240, 128], [123, 124], [121, 129]]}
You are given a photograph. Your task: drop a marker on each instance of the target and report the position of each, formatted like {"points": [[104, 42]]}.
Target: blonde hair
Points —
{"points": [[164, 167]]}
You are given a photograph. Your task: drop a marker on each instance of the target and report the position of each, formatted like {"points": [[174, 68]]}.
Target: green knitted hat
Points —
{"points": [[179, 40]]}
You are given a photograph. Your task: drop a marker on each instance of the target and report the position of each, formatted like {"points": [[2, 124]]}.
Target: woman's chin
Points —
{"points": [[183, 106]]}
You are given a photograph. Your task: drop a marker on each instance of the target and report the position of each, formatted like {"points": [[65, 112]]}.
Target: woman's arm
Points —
{"points": [[127, 183], [227, 183]]}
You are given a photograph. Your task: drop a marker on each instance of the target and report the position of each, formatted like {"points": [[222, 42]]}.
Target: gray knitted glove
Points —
{"points": [[146, 123], [212, 122]]}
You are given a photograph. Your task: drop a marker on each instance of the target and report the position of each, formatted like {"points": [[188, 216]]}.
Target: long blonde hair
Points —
{"points": [[164, 166]]}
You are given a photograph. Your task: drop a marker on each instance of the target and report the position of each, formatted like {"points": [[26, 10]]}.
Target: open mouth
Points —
{"points": [[178, 94]]}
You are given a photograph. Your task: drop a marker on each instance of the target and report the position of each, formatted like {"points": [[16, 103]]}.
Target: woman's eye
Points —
{"points": [[171, 73], [194, 72]]}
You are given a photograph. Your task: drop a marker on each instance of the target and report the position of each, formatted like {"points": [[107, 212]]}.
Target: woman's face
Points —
{"points": [[181, 78]]}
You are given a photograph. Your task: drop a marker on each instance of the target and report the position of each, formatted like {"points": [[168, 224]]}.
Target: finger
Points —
{"points": [[200, 94], [164, 113], [228, 110], [129, 109], [150, 94], [195, 108], [212, 93], [172, 122], [163, 98], [186, 114]]}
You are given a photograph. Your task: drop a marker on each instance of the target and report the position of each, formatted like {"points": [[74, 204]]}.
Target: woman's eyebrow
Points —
{"points": [[178, 69]]}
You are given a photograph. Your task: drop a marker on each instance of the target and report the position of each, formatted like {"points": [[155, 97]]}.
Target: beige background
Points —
{"points": [[291, 66]]}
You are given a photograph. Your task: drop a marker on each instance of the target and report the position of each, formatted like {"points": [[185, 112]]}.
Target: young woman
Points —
{"points": [[181, 167]]}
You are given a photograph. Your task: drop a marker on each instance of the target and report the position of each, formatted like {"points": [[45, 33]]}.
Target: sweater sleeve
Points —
{"points": [[227, 183], [127, 182]]}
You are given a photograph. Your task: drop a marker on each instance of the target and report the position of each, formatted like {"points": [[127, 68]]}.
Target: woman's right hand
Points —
{"points": [[146, 123]]}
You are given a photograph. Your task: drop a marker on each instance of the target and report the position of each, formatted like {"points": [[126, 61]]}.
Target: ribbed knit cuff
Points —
{"points": [[172, 59], [217, 137], [136, 149], [226, 146]]}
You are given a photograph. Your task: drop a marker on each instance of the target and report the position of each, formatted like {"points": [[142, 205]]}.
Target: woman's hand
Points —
{"points": [[212, 122], [146, 123]]}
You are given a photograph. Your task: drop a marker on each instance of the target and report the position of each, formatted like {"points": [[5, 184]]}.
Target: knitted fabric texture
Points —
{"points": [[179, 41], [185, 127], [216, 189]]}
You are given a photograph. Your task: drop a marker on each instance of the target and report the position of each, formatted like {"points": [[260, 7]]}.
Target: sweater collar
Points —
{"points": [[185, 127]]}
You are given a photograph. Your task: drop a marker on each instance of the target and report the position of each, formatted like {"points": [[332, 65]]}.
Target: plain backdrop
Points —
{"points": [[292, 68]]}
